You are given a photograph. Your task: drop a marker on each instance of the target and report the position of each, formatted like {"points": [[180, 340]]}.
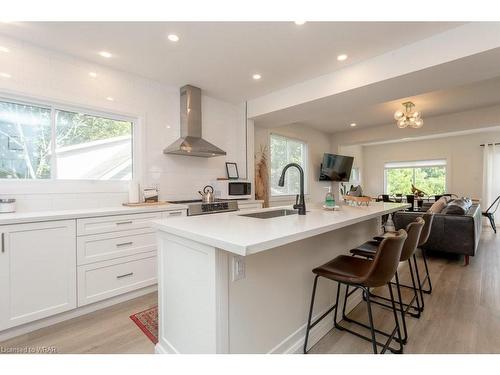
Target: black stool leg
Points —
{"points": [[415, 291], [427, 274], [400, 351], [308, 328], [338, 326], [370, 318], [419, 285], [403, 311], [492, 222]]}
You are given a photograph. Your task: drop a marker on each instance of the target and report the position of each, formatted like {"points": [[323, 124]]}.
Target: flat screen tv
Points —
{"points": [[336, 168]]}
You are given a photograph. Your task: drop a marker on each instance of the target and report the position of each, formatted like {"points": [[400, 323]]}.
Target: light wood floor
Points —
{"points": [[461, 316]]}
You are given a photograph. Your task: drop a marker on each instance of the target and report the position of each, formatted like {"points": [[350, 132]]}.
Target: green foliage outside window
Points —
{"points": [[431, 180]]}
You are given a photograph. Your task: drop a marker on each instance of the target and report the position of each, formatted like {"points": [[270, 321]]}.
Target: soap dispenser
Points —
{"points": [[329, 198]]}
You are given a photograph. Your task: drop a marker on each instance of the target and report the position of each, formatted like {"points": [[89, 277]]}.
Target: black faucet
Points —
{"points": [[300, 203]]}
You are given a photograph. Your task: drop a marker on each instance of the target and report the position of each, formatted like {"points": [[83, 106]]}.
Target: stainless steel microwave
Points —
{"points": [[232, 189]]}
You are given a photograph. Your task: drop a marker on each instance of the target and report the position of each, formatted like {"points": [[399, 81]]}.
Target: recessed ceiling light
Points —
{"points": [[168, 126], [110, 98], [342, 57], [299, 22], [4, 49], [353, 125], [5, 75], [105, 54], [93, 74], [173, 38], [256, 76]]}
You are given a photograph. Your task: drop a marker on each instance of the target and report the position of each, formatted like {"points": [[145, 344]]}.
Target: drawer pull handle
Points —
{"points": [[177, 213], [124, 222], [3, 242], [124, 275], [124, 244]]}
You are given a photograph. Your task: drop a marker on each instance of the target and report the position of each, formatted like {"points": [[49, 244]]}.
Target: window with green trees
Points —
{"points": [[285, 150], [427, 175], [45, 142]]}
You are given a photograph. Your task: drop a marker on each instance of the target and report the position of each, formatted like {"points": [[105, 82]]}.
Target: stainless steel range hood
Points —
{"points": [[191, 143]]}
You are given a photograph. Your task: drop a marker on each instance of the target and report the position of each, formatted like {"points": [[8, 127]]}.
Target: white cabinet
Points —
{"points": [[37, 271], [98, 281]]}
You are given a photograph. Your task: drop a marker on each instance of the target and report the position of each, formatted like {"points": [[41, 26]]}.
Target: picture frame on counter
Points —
{"points": [[232, 171]]}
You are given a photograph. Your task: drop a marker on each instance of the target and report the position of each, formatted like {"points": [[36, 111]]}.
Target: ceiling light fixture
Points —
{"points": [[4, 49], [299, 23], [105, 54], [93, 74], [173, 38], [353, 125], [256, 76], [5, 75], [110, 98], [342, 57], [409, 117]]}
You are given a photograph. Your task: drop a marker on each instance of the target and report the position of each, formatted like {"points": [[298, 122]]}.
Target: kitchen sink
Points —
{"points": [[271, 214]]}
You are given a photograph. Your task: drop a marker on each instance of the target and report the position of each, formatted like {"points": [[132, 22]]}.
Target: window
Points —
{"points": [[427, 175], [38, 142], [285, 150]]}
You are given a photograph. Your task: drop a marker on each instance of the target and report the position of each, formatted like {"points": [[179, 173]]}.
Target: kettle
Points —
{"points": [[208, 194]]}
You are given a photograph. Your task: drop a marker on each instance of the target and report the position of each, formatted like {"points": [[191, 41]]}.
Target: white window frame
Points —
{"points": [[413, 164], [55, 185], [279, 197]]}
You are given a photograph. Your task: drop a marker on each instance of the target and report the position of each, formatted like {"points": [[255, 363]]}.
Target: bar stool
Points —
{"points": [[363, 274], [369, 249], [424, 237]]}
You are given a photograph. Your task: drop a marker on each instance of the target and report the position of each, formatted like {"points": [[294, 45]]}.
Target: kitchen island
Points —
{"points": [[234, 283]]}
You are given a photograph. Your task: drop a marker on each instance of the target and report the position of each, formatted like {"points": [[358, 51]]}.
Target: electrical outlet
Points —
{"points": [[238, 267]]}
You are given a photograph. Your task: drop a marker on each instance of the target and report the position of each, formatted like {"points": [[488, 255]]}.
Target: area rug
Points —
{"points": [[147, 321]]}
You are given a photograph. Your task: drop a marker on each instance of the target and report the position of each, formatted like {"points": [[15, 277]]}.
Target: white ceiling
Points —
{"points": [[460, 85], [220, 57]]}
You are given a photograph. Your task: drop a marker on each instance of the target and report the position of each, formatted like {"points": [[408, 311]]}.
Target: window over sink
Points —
{"points": [[284, 150], [49, 142]]}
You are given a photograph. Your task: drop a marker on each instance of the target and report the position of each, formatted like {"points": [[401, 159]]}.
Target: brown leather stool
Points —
{"points": [[424, 237], [369, 249], [363, 274]]}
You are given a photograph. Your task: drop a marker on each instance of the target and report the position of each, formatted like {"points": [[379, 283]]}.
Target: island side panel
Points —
{"points": [[193, 290], [268, 308]]}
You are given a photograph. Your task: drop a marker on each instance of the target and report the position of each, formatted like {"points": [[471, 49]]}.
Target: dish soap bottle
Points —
{"points": [[329, 198]]}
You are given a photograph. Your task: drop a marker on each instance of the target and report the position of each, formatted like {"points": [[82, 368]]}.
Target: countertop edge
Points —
{"points": [[41, 216], [250, 249]]}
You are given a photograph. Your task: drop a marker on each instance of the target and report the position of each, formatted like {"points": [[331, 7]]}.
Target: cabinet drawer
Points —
{"points": [[99, 247], [106, 224], [98, 281]]}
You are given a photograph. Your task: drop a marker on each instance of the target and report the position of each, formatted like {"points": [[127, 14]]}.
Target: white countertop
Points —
{"points": [[246, 235], [37, 216]]}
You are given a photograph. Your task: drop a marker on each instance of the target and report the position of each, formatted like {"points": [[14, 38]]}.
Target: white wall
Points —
{"points": [[47, 75], [464, 157], [317, 143]]}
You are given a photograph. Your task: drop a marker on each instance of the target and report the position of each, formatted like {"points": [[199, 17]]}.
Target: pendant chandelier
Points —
{"points": [[409, 117]]}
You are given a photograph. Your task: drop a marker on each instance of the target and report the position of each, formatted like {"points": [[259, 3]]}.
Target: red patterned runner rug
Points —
{"points": [[147, 321]]}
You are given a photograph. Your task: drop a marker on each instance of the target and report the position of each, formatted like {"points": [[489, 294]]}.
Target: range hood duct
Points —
{"points": [[191, 143]]}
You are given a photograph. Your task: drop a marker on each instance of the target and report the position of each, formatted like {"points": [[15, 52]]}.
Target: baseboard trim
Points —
{"points": [[164, 347], [294, 343], [79, 311]]}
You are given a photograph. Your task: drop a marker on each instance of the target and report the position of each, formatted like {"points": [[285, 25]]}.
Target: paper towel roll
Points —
{"points": [[133, 192]]}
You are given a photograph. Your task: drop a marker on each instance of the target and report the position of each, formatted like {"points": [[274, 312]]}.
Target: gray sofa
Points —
{"points": [[450, 233]]}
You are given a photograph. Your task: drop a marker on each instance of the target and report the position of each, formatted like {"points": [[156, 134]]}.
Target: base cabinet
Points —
{"points": [[37, 271]]}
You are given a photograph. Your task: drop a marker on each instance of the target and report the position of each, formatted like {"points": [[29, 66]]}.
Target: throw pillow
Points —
{"points": [[458, 207], [438, 206]]}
